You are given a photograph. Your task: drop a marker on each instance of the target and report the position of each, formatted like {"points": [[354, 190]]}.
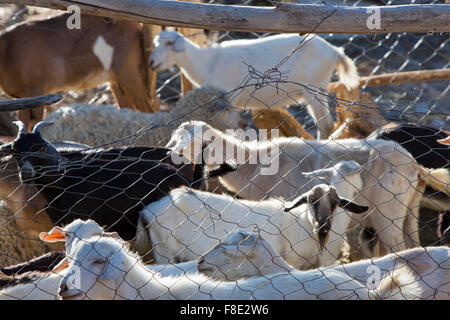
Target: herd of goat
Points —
{"points": [[130, 222]]}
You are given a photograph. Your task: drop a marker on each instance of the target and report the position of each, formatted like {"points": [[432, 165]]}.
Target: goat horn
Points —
{"points": [[29, 103], [21, 126], [37, 128], [5, 148]]}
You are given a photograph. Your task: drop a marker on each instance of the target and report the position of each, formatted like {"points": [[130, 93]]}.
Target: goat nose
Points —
{"points": [[150, 63]]}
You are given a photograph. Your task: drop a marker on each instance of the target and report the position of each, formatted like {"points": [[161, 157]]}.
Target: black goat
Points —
{"points": [[109, 186], [44, 263], [421, 142]]}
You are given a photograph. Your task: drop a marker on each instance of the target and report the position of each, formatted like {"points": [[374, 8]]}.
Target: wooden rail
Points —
{"points": [[284, 17], [396, 78]]}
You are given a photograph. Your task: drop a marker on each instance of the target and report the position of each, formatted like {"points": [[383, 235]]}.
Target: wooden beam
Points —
{"points": [[284, 17], [149, 32], [396, 78], [198, 37], [29, 103]]}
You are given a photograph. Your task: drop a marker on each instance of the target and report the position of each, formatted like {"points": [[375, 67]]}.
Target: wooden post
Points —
{"points": [[198, 37], [396, 78], [149, 32]]}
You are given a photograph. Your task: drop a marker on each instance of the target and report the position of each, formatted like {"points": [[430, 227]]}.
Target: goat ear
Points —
{"points": [[445, 141], [351, 206], [63, 264], [320, 174], [55, 235], [179, 44], [114, 268], [350, 167], [295, 203]]}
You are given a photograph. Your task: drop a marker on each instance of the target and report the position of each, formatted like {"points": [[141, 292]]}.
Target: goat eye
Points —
{"points": [[99, 261]]}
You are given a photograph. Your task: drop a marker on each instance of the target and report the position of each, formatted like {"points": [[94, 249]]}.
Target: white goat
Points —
{"points": [[44, 285], [108, 270], [226, 66], [187, 223], [393, 183], [246, 254], [96, 125], [78, 230]]}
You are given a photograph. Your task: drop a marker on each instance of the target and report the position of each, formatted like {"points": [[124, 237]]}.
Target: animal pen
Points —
{"points": [[277, 182]]}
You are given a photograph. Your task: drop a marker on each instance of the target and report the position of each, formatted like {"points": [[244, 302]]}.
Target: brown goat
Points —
{"points": [[27, 205], [41, 57]]}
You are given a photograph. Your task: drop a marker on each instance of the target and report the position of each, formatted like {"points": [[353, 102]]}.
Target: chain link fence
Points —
{"points": [[207, 186]]}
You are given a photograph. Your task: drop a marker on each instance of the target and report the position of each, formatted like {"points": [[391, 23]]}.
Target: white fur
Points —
{"points": [[393, 183], [110, 271], [226, 66], [46, 286], [104, 52], [185, 224], [248, 254]]}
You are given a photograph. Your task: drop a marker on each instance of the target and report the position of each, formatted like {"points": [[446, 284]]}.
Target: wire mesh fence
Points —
{"points": [[227, 193]]}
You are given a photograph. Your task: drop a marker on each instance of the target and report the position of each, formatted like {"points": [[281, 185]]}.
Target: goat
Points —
{"points": [[224, 66], [16, 282], [247, 254], [393, 183], [40, 57], [24, 200], [421, 142], [107, 188], [301, 237], [99, 125], [110, 271]]}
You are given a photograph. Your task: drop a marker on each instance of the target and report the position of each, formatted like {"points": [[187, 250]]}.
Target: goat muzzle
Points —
{"points": [[323, 233]]}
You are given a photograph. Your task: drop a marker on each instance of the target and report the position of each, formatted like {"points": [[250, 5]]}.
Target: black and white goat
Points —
{"points": [[108, 186]]}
